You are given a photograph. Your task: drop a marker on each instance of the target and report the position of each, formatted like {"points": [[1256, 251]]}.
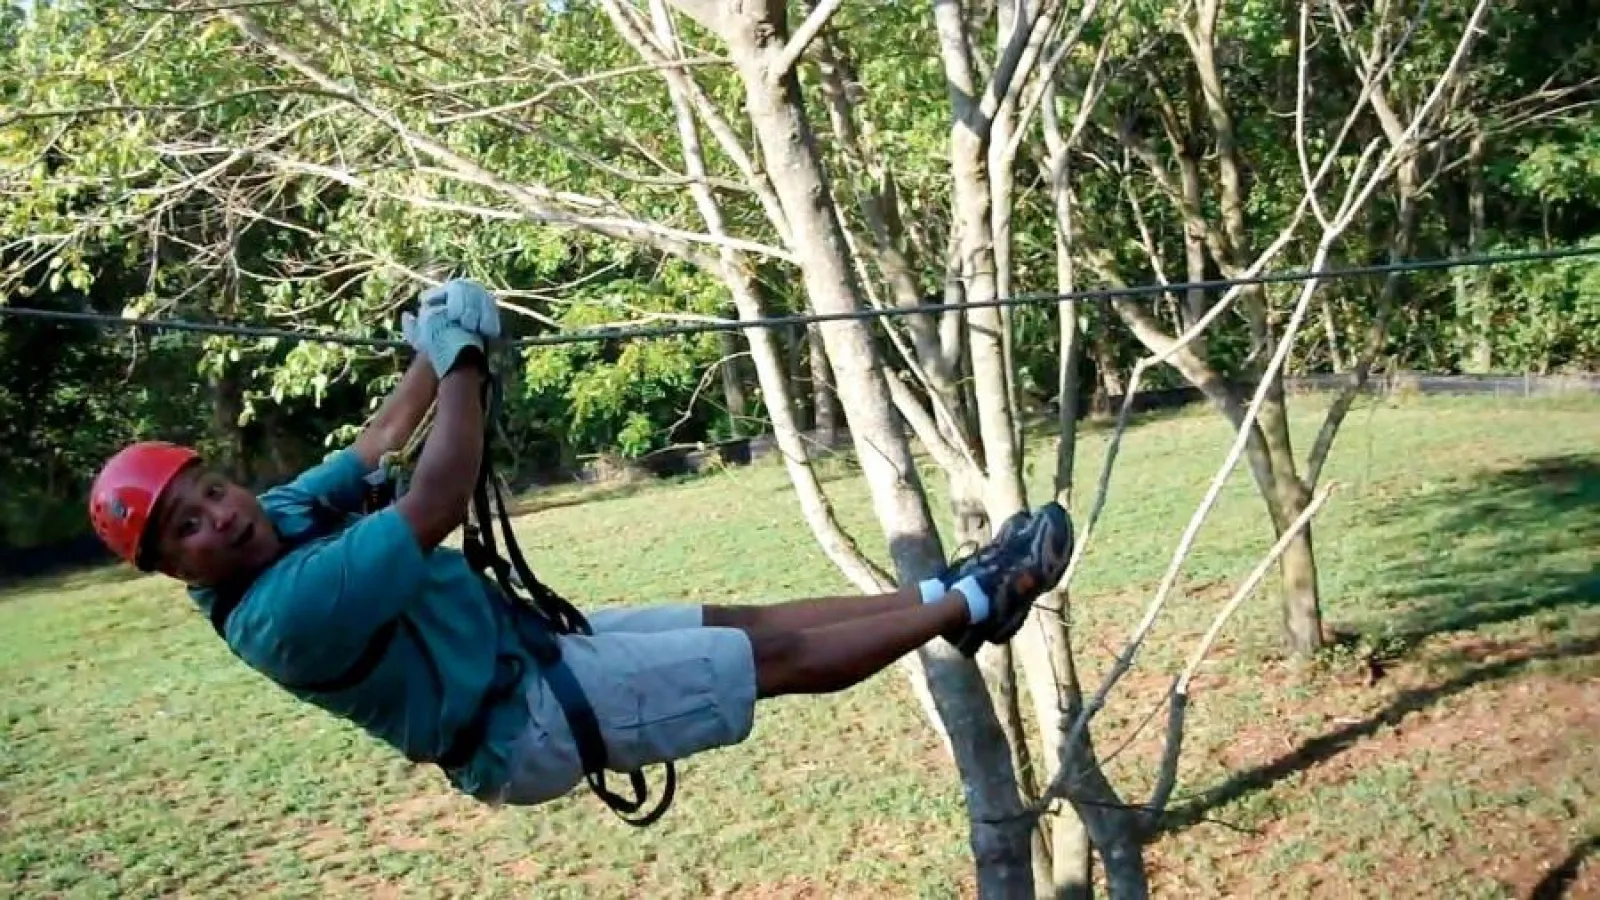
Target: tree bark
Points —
{"points": [[741, 282], [226, 408], [974, 233], [1302, 612], [1055, 687], [797, 353], [1331, 327], [1480, 358], [755, 34], [733, 384], [1001, 183], [1109, 380], [824, 399]]}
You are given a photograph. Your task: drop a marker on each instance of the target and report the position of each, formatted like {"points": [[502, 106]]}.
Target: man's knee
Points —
{"points": [[780, 660]]}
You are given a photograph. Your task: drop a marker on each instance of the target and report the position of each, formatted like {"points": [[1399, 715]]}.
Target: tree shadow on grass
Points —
{"points": [[1493, 548], [1325, 747], [1488, 549], [1557, 881]]}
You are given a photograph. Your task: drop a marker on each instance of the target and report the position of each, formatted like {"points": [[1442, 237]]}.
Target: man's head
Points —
{"points": [[159, 508]]}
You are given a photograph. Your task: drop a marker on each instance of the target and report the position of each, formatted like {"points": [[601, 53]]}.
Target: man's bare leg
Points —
{"points": [[837, 655], [813, 612], [826, 644]]}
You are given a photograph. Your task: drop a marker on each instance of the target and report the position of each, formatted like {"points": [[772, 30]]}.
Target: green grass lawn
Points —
{"points": [[1447, 751]]}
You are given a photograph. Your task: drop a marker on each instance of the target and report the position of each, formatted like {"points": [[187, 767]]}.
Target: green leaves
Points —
{"points": [[168, 164]]}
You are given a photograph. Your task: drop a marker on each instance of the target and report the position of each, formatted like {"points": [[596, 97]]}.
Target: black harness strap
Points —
{"points": [[538, 618], [325, 520], [546, 609]]}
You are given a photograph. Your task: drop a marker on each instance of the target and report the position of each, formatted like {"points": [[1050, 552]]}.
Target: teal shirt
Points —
{"points": [[308, 618]]}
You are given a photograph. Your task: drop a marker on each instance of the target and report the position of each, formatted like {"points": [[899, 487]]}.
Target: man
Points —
{"points": [[377, 623]]}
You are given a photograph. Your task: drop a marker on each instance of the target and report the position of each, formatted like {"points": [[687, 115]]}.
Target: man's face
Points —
{"points": [[207, 530]]}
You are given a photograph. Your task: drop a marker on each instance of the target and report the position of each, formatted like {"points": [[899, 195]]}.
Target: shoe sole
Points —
{"points": [[1056, 555], [970, 640]]}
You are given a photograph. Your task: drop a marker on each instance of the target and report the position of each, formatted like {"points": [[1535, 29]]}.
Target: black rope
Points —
{"points": [[555, 615], [689, 328]]}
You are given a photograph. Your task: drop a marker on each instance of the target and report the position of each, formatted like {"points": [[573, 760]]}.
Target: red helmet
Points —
{"points": [[126, 490]]}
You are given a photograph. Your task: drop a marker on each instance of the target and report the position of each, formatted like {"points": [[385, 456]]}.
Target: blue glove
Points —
{"points": [[437, 337], [467, 304]]}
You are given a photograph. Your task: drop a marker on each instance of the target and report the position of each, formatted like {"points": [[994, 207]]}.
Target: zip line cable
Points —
{"points": [[688, 328]]}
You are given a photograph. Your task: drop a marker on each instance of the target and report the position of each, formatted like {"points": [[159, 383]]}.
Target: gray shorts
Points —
{"points": [[662, 685]]}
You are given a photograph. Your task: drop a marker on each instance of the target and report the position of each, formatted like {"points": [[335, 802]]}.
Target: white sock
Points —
{"points": [[933, 591]]}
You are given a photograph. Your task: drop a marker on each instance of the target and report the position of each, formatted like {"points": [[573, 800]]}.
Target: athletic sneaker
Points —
{"points": [[1026, 558]]}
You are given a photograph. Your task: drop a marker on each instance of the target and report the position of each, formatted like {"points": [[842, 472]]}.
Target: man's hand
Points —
{"points": [[439, 338], [451, 318], [466, 303]]}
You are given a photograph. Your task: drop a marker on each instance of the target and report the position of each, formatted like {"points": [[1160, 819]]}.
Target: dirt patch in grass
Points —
{"points": [[800, 888], [409, 825], [1460, 774]]}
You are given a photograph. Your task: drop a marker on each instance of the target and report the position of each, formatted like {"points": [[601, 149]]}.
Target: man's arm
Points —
{"points": [[325, 604], [441, 485], [399, 415]]}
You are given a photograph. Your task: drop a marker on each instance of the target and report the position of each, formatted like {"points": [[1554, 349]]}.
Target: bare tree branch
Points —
{"points": [[959, 466], [727, 139], [668, 239], [1124, 660], [123, 109], [835, 542], [802, 38], [1167, 776], [550, 90]]}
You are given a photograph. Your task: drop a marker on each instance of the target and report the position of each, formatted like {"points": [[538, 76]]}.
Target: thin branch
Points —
{"points": [[1017, 60], [694, 396], [671, 180], [960, 467], [1162, 351], [1124, 660], [122, 109], [802, 38], [915, 366], [1248, 586], [1167, 769], [1352, 201], [550, 90], [1047, 72], [727, 139], [192, 8], [1302, 65], [665, 238], [1167, 776]]}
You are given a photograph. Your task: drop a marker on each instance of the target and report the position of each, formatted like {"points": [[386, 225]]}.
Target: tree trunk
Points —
{"points": [[1108, 374], [1481, 357], [755, 34], [987, 329], [1124, 864], [1067, 404], [1001, 183], [974, 234], [796, 348], [733, 383], [1302, 611], [999, 670], [226, 408], [1055, 687], [1331, 327], [824, 399]]}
